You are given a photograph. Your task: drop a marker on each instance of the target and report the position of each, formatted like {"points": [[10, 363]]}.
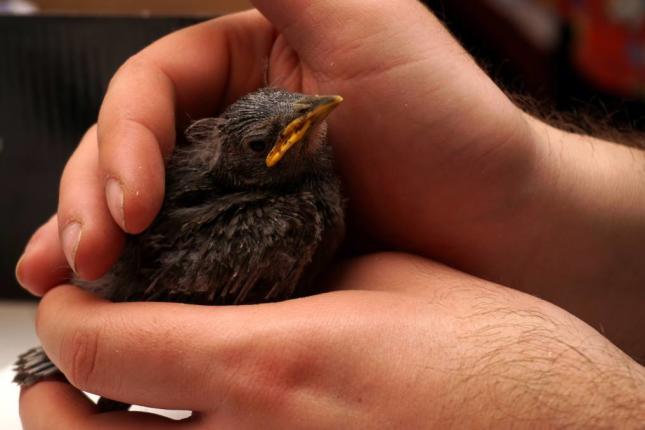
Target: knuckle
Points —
{"points": [[133, 64], [68, 169], [46, 313], [91, 129], [135, 61], [78, 356], [43, 230], [276, 374]]}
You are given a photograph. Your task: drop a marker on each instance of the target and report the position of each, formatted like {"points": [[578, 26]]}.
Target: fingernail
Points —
{"points": [[114, 194], [71, 238], [18, 272]]}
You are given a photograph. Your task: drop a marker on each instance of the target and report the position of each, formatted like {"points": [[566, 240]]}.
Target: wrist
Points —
{"points": [[587, 240], [591, 200], [594, 178]]}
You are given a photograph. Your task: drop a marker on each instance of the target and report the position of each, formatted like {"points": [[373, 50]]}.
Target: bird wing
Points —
{"points": [[250, 247]]}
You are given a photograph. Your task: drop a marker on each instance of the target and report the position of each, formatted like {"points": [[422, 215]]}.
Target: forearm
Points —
{"points": [[549, 370], [575, 233], [593, 206], [561, 383]]}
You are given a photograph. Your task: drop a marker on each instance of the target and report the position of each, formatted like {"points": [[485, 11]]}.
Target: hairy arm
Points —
{"points": [[579, 236], [467, 178], [402, 343], [536, 368]]}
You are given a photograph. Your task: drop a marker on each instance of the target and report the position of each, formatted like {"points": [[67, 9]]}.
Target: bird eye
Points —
{"points": [[257, 145]]}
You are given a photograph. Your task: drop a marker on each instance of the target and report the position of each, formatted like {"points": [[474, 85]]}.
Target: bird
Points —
{"points": [[253, 212]]}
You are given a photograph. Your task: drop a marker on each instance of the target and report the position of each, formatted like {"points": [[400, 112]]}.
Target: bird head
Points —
{"points": [[268, 137]]}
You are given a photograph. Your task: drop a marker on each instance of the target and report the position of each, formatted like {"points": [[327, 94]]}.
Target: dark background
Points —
{"points": [[543, 73], [54, 71]]}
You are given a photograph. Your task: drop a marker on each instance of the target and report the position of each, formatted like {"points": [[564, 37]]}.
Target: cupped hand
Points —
{"points": [[435, 159], [401, 342], [430, 149]]}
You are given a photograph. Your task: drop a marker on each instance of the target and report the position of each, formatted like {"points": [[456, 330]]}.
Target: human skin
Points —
{"points": [[401, 342], [436, 159], [469, 180]]}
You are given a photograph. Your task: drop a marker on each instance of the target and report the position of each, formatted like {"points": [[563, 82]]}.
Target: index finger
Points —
{"points": [[162, 355], [177, 356], [188, 74]]}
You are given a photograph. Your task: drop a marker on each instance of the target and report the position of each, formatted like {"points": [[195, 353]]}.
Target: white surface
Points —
{"points": [[9, 418], [17, 335]]}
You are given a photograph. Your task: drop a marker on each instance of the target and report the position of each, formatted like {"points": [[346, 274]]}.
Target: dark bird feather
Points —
{"points": [[231, 229]]}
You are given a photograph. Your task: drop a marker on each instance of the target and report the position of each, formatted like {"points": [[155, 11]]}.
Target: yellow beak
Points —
{"points": [[317, 109]]}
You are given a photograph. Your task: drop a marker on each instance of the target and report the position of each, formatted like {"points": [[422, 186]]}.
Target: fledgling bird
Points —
{"points": [[253, 211]]}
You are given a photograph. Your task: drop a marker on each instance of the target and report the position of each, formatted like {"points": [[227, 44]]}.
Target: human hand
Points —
{"points": [[401, 343], [435, 158], [403, 77]]}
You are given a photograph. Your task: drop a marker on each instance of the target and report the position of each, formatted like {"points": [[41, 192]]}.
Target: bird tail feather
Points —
{"points": [[33, 366]]}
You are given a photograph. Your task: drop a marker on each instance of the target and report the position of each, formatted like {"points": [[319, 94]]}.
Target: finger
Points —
{"points": [[141, 353], [90, 239], [173, 356], [56, 405], [43, 265], [187, 74], [186, 357], [204, 358]]}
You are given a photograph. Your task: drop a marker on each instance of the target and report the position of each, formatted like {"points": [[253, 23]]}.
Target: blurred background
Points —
{"points": [[572, 56]]}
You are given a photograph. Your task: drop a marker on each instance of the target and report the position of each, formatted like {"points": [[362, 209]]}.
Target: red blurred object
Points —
{"points": [[609, 43]]}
